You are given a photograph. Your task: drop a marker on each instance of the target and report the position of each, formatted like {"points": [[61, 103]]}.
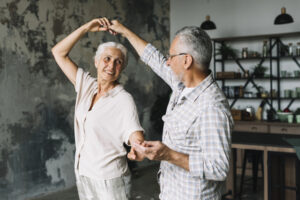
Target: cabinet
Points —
{"points": [[277, 52], [281, 173]]}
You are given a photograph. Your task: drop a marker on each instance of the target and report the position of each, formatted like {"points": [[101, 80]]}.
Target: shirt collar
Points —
{"points": [[113, 92], [199, 88]]}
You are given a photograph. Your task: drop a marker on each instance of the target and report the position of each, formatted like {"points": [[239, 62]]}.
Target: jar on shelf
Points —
{"points": [[246, 74], [298, 49], [290, 49], [265, 49], [245, 52]]}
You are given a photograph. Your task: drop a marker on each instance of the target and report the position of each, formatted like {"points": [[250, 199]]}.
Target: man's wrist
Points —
{"points": [[126, 32], [170, 155]]}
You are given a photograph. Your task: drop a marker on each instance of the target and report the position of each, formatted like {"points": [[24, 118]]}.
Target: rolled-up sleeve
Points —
{"points": [[211, 161], [158, 63]]}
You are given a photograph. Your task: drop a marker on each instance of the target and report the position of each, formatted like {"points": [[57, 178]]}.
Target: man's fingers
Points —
{"points": [[114, 21], [150, 143], [112, 32]]}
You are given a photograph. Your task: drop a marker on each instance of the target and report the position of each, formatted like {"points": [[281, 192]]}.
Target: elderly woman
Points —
{"points": [[105, 118]]}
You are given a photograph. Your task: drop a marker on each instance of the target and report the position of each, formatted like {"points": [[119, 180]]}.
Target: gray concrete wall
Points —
{"points": [[36, 99]]}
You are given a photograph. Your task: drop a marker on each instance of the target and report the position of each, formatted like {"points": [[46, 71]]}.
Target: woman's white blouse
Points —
{"points": [[101, 132]]}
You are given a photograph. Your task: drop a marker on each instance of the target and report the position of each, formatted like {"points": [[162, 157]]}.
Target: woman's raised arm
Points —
{"points": [[61, 50]]}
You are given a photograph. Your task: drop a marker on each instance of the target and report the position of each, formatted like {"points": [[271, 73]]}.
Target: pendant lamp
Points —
{"points": [[283, 18], [207, 24]]}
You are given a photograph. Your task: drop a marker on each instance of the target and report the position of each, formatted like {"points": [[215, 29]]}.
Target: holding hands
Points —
{"points": [[103, 24], [99, 24], [153, 150]]}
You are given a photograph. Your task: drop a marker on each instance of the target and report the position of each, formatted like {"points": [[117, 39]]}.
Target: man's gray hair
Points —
{"points": [[196, 42], [119, 46]]}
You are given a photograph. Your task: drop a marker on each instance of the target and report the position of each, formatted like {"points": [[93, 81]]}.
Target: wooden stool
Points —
{"points": [[256, 157]]}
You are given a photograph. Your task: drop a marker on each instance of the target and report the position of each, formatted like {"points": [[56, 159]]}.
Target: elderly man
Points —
{"points": [[195, 149]]}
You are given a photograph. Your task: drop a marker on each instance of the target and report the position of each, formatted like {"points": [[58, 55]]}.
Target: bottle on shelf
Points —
{"points": [[245, 52], [290, 49], [246, 74], [265, 49], [298, 49], [259, 112]]}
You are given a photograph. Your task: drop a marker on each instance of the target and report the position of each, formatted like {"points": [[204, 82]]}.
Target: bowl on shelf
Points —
{"points": [[283, 73], [283, 116], [297, 73]]}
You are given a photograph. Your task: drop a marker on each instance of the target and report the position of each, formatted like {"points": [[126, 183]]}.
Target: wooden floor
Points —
{"points": [[145, 187]]}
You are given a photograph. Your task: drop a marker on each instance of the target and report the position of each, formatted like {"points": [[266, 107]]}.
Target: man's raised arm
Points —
{"points": [[138, 43]]}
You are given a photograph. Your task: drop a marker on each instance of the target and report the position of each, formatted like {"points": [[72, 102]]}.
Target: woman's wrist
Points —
{"points": [[84, 28]]}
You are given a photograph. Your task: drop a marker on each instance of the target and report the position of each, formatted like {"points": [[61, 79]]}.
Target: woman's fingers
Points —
{"points": [[104, 25], [108, 23]]}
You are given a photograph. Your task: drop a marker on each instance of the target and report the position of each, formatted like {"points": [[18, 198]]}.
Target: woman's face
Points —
{"points": [[110, 64]]}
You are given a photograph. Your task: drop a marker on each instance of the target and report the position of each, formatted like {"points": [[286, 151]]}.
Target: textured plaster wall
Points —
{"points": [[36, 99]]}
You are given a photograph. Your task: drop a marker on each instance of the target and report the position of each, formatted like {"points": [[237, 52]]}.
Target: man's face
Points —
{"points": [[176, 61], [110, 64]]}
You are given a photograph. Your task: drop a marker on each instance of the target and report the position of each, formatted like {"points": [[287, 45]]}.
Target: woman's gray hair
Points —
{"points": [[105, 45], [196, 42]]}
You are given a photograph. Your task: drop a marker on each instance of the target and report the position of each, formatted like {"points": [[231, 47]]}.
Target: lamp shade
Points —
{"points": [[207, 24], [283, 18]]}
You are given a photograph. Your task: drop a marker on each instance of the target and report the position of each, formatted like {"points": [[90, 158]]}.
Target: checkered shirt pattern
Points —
{"points": [[199, 125]]}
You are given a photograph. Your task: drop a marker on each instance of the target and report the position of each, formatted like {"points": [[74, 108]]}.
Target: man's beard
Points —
{"points": [[178, 77]]}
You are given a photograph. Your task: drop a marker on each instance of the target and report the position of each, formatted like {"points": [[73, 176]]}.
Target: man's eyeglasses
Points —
{"points": [[174, 55]]}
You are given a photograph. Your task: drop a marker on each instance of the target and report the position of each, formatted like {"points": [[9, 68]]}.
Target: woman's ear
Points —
{"points": [[188, 61], [96, 63]]}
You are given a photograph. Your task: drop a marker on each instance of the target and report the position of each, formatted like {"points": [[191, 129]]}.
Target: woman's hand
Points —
{"points": [[136, 137], [99, 24], [135, 155]]}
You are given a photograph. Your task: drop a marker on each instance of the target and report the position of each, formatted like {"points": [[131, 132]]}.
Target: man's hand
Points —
{"points": [[117, 27], [154, 150], [138, 43]]}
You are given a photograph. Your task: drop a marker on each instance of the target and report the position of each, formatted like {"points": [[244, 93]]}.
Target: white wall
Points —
{"points": [[235, 17]]}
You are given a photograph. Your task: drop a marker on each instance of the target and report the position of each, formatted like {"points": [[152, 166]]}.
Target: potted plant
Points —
{"points": [[227, 51], [259, 71]]}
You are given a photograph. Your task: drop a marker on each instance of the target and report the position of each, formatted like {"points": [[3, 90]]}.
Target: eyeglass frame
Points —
{"points": [[168, 56]]}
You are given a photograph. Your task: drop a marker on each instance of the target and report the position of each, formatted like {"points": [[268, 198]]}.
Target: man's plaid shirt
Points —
{"points": [[199, 125]]}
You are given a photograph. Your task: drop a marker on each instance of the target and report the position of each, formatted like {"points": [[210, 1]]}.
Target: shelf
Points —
{"points": [[263, 78], [239, 59], [272, 60], [286, 98], [257, 37], [290, 78], [255, 58], [250, 98], [240, 79], [286, 57]]}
